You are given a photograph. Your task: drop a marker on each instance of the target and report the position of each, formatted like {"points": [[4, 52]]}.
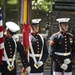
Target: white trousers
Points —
{"points": [[36, 73], [59, 73]]}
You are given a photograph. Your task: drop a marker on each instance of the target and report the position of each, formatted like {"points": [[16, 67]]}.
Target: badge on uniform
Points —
{"points": [[71, 41]]}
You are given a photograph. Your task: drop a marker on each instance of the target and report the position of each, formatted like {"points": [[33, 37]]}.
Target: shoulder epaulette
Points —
{"points": [[56, 33], [70, 34]]}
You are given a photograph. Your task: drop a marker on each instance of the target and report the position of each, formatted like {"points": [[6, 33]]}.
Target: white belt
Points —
{"points": [[36, 55], [63, 54], [10, 59]]}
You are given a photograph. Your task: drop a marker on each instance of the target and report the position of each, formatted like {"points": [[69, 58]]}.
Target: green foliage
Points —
{"points": [[12, 1], [43, 5]]}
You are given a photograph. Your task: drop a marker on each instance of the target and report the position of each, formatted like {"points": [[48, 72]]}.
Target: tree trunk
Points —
{"points": [[18, 12], [4, 11]]}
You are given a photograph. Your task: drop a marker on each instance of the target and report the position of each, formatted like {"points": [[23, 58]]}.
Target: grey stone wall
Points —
{"points": [[60, 14]]}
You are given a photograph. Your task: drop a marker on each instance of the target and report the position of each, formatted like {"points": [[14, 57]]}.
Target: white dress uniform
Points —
{"points": [[11, 45], [38, 51], [62, 50]]}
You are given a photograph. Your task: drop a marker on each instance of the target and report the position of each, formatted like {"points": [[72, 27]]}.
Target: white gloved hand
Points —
{"points": [[28, 69], [0, 73], [15, 37], [67, 61], [40, 63], [64, 66], [36, 65]]}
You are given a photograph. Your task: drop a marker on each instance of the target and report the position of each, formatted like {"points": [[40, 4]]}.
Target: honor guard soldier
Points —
{"points": [[62, 49], [11, 44], [38, 51]]}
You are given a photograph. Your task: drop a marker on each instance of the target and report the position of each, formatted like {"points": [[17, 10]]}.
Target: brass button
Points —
{"points": [[9, 42], [9, 45], [65, 39], [56, 59], [65, 47], [10, 52], [38, 48], [60, 64], [37, 39], [36, 36], [38, 45], [65, 42], [65, 36], [37, 51], [37, 42], [65, 51], [10, 48], [60, 43], [10, 55]]}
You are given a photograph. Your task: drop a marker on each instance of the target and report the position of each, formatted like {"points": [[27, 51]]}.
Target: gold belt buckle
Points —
{"points": [[65, 54], [10, 59], [10, 68], [37, 55]]}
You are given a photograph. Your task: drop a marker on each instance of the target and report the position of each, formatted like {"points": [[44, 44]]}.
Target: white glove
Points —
{"points": [[67, 61], [40, 63], [64, 66], [0, 73], [36, 65], [28, 69], [15, 37]]}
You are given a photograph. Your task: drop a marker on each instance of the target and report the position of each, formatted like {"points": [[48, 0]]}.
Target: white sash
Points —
{"points": [[32, 51], [5, 57]]}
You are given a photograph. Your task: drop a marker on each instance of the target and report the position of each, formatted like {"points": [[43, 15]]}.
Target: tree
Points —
{"points": [[41, 9], [43, 5]]}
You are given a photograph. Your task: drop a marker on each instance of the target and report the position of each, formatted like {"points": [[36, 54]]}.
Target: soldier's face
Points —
{"points": [[7, 33], [35, 28], [65, 27]]}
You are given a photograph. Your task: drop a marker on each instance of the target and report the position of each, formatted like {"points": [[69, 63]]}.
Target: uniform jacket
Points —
{"points": [[10, 50], [62, 43], [37, 47]]}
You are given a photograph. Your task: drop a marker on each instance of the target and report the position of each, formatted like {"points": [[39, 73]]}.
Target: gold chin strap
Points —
{"points": [[63, 28]]}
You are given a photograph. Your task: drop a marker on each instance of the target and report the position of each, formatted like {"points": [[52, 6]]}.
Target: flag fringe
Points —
{"points": [[23, 73], [27, 49]]}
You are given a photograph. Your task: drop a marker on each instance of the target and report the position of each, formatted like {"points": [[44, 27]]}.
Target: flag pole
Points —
{"points": [[25, 30]]}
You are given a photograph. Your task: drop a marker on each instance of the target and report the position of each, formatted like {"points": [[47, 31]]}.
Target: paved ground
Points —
{"points": [[46, 72]]}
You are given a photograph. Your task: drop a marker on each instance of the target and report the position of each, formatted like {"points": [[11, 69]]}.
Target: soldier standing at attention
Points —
{"points": [[62, 49], [11, 44], [38, 51]]}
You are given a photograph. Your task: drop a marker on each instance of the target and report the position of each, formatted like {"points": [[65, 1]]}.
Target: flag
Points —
{"points": [[23, 13], [25, 41], [1, 37], [26, 37], [25, 31]]}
